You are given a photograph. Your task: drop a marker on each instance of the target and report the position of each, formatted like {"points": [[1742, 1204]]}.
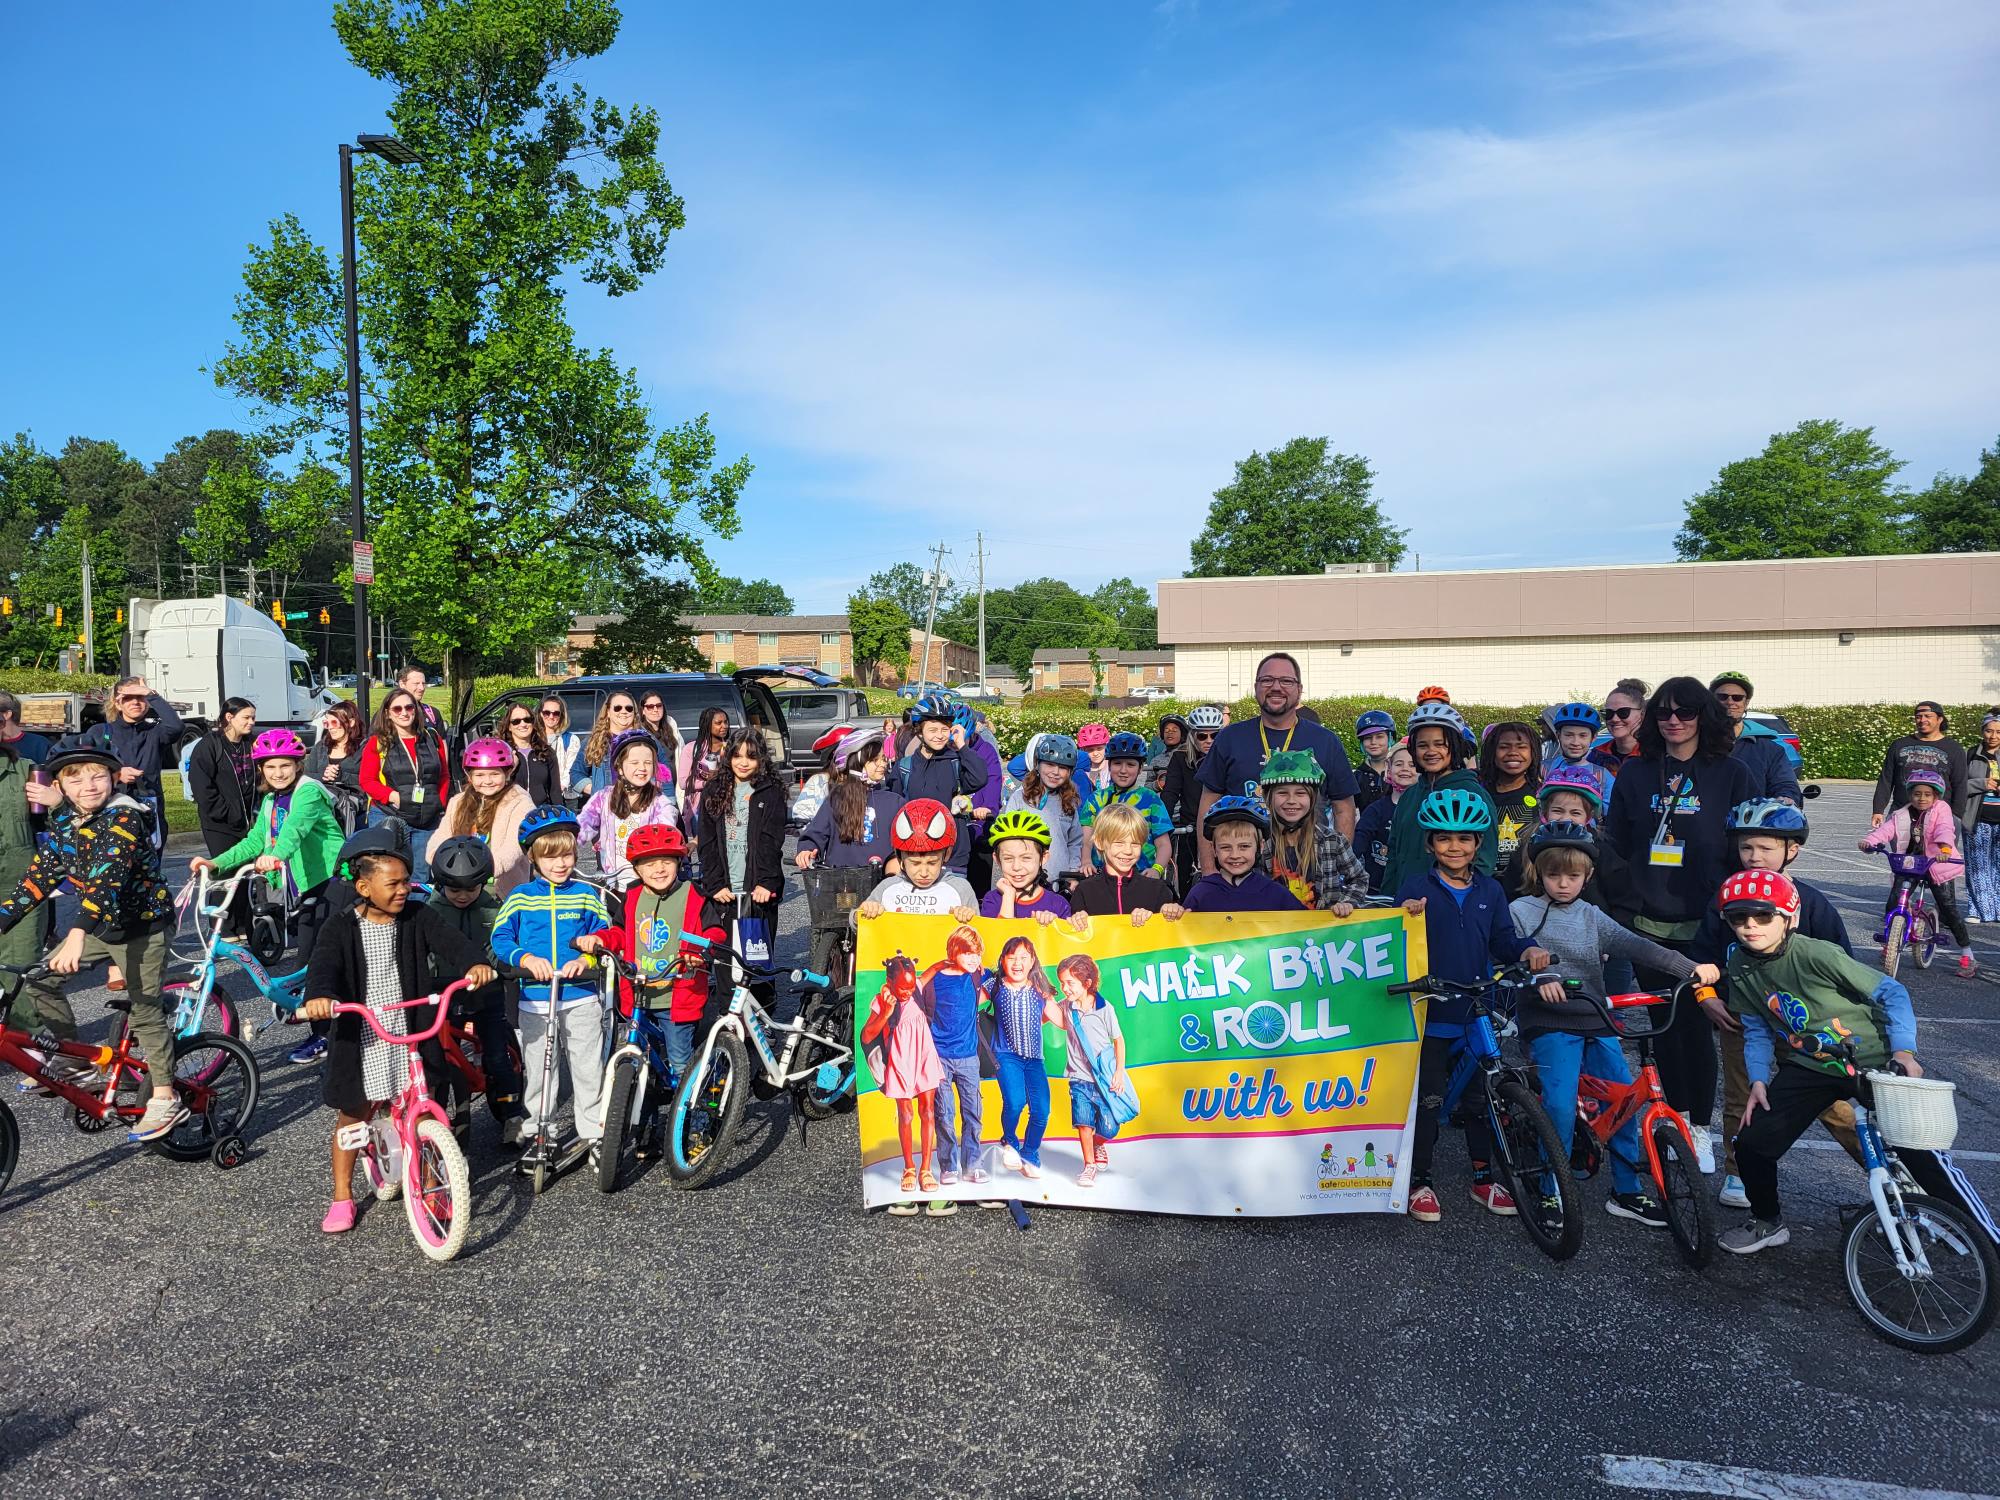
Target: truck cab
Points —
{"points": [[197, 652]]}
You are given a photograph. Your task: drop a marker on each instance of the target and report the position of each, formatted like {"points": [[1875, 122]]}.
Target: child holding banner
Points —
{"points": [[1020, 841], [1237, 827], [1121, 833]]}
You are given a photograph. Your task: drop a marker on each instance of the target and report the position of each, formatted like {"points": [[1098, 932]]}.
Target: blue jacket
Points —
{"points": [[1255, 892], [1371, 837], [1466, 941], [540, 919], [1770, 768]]}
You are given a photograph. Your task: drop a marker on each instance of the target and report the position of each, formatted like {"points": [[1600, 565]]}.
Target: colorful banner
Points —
{"points": [[1265, 1070]]}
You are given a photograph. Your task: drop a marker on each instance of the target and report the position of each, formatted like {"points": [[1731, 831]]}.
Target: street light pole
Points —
{"points": [[353, 418]]}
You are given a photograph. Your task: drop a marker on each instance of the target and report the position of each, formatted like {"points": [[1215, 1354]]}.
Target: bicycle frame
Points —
{"points": [[752, 1025], [1885, 1192], [284, 992], [118, 1062], [1643, 1099]]}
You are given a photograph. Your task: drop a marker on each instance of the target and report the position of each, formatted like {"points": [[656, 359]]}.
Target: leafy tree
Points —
{"points": [[502, 461], [880, 631], [1957, 514], [1294, 511], [1131, 608], [724, 595], [905, 583], [652, 637], [1043, 612], [1820, 490]]}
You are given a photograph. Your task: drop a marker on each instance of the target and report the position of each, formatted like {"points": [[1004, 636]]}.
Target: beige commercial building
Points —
{"points": [[1827, 630]]}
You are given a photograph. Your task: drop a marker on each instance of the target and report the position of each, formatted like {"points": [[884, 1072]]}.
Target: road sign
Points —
{"points": [[364, 563], [298, 614]]}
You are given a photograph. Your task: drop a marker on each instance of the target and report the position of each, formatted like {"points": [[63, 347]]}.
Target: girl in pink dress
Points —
{"points": [[910, 1070]]}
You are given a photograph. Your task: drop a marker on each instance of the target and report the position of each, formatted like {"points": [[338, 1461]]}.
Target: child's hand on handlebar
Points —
{"points": [[576, 968], [538, 969], [268, 864], [1537, 959], [317, 1010], [196, 866], [590, 942], [1707, 974], [1907, 1061], [69, 957], [806, 858], [479, 976], [1552, 991], [762, 896]]}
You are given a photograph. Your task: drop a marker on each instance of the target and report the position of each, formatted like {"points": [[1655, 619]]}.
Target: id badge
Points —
{"points": [[1668, 853], [417, 796]]}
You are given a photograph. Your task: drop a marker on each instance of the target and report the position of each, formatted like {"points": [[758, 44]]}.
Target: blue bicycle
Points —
{"points": [[199, 999], [1528, 1157], [639, 1079]]}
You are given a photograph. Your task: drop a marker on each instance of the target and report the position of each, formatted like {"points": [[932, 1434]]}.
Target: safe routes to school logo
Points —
{"points": [[1347, 1168]]}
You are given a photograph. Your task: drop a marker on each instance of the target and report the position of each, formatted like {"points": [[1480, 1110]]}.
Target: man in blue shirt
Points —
{"points": [[1236, 760]]}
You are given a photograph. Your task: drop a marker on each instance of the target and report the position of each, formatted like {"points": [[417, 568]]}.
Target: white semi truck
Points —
{"points": [[197, 652]]}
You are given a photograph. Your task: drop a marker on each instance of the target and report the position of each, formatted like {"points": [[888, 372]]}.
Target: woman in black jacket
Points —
{"points": [[223, 785], [742, 836]]}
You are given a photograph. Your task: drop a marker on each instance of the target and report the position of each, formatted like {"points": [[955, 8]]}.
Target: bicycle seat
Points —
{"points": [[119, 1002]]}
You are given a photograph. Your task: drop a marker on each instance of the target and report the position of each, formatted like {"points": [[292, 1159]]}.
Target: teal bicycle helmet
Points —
{"points": [[1453, 809], [1768, 815]]}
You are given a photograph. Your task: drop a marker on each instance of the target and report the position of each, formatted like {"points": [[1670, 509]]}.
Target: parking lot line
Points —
{"points": [[1688, 1477]]}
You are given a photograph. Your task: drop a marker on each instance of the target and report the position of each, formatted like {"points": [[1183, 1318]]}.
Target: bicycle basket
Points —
{"points": [[1916, 1113], [833, 894], [1914, 865]]}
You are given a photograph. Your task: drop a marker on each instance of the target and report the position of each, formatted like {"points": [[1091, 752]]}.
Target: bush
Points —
{"points": [[31, 680]]}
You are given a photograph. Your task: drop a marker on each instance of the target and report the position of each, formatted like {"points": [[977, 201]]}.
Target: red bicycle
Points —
{"points": [[1669, 1145]]}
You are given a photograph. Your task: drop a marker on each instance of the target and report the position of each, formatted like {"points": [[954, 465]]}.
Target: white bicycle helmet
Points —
{"points": [[1439, 713], [1208, 716]]}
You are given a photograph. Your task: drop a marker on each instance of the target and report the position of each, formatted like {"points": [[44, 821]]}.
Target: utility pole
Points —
{"points": [[979, 539], [939, 553], [89, 620]]}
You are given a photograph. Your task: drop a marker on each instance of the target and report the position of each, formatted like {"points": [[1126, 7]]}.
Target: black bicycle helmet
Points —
{"points": [[1564, 835], [390, 836], [463, 863], [81, 753]]}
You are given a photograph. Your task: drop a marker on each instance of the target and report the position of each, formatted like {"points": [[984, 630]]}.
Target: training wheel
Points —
{"points": [[228, 1153]]}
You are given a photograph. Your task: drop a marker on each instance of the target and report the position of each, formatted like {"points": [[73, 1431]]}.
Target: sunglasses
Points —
{"points": [[1204, 734], [552, 713], [1681, 715], [520, 719], [403, 708], [621, 708], [1620, 713], [1732, 697], [654, 708], [130, 698]]}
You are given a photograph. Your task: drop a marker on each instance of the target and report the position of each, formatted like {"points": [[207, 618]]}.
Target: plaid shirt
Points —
{"points": [[1337, 875]]}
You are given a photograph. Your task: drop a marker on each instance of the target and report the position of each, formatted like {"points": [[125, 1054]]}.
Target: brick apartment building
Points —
{"points": [[822, 642], [1124, 671]]}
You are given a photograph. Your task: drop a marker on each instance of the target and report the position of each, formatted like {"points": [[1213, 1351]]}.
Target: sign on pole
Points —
{"points": [[364, 564]]}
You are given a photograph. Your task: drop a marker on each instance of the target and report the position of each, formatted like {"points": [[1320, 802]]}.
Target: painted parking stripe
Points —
{"points": [[1956, 1153], [1687, 1477]]}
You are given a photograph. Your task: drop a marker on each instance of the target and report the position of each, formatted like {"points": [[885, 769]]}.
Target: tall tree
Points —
{"points": [[724, 595], [1294, 511], [502, 460], [909, 586], [1958, 514], [880, 632], [1043, 612], [1820, 490], [1131, 608]]}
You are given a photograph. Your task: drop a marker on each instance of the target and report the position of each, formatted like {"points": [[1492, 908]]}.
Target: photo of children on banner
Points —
{"points": [[1101, 1097]]}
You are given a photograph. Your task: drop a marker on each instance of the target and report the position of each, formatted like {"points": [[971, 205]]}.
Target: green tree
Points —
{"points": [[1041, 613], [724, 595], [502, 460], [1957, 514], [1131, 608], [651, 637], [1820, 490], [909, 586], [1294, 511], [880, 631]]}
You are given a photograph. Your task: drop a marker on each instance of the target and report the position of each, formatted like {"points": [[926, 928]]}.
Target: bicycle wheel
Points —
{"points": [[10, 1146], [708, 1106], [216, 1078], [1532, 1165], [1936, 1314], [1892, 944], [827, 1040], [621, 1120], [1924, 936], [437, 1191], [1690, 1219], [382, 1158]]}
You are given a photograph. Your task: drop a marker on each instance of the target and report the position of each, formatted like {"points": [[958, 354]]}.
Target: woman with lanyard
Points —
{"points": [[406, 772], [335, 763], [222, 782], [572, 778], [1668, 818], [535, 769]]}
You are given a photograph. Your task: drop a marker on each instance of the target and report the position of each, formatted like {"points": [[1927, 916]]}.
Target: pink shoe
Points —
{"points": [[339, 1218], [1102, 1156], [1967, 965]]}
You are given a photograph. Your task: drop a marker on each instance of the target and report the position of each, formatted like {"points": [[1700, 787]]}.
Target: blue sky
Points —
{"points": [[1049, 270]]}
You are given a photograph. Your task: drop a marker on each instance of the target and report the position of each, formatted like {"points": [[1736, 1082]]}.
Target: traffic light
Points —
{"points": [[325, 615], [6, 605], [278, 612], [59, 617]]}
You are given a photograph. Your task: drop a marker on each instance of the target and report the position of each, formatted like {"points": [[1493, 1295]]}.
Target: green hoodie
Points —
{"points": [[1409, 855], [308, 837]]}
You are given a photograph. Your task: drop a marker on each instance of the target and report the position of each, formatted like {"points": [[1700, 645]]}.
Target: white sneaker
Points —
{"points": [[1705, 1151], [1732, 1194], [1010, 1158]]}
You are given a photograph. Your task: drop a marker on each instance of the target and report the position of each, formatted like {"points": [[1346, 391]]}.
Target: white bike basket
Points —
{"points": [[1915, 1112]]}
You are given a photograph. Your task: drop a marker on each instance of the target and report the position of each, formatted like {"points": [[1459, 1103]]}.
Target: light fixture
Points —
{"points": [[1347, 648], [1846, 637], [388, 148]]}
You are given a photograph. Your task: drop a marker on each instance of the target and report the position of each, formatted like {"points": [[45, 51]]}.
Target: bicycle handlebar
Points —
{"points": [[442, 1000], [1513, 974], [40, 969]]}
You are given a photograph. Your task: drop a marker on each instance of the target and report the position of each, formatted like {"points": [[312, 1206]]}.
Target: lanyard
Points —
{"points": [[1265, 739], [410, 749], [1669, 795]]}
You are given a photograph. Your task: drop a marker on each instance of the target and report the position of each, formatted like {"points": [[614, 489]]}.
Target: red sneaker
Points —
{"points": [[1493, 1198], [1424, 1206]]}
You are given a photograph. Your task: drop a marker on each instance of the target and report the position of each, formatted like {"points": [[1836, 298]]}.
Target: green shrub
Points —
{"points": [[29, 680]]}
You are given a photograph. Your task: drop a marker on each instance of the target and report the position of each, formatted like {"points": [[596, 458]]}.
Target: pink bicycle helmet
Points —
{"points": [[488, 755], [1091, 736], [278, 744], [1582, 780]]}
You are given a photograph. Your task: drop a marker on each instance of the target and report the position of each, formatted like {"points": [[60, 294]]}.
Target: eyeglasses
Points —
{"points": [[621, 708], [1732, 697], [1619, 713], [552, 713], [654, 707], [1682, 715], [1277, 682]]}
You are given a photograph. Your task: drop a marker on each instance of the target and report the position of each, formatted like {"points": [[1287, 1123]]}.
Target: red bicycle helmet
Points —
{"points": [[1759, 890], [654, 841], [1433, 695], [924, 826], [1091, 736]]}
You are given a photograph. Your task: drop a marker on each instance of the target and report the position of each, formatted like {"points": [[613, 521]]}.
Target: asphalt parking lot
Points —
{"points": [[178, 1331]]}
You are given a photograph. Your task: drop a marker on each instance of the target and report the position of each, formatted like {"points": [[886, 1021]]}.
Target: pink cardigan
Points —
{"points": [[510, 860], [1940, 835]]}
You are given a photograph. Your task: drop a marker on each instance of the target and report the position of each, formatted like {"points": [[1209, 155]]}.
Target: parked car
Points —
{"points": [[918, 689], [745, 696], [1775, 727], [811, 712], [1152, 692]]}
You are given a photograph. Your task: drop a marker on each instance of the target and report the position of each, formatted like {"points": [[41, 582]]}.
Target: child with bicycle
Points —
{"points": [[381, 951], [1566, 1034], [101, 844], [896, 1042], [462, 873], [1469, 929], [1924, 825]]}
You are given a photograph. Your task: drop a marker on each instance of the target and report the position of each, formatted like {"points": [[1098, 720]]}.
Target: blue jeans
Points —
{"points": [[680, 1047], [1024, 1084], [1982, 871], [963, 1074], [1560, 1056]]}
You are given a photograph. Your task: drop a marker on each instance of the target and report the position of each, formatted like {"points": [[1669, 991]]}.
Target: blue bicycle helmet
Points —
{"points": [[1453, 809], [1768, 815], [1574, 713], [1125, 745], [1056, 749], [550, 817], [966, 717], [931, 706], [1236, 810], [1375, 721], [1443, 714]]}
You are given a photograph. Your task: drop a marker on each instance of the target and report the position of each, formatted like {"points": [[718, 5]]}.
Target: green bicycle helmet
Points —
{"points": [[1021, 823], [1453, 809], [1291, 768]]}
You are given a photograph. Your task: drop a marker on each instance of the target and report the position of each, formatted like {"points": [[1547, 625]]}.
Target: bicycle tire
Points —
{"points": [[1529, 1158], [1924, 937], [1892, 944], [10, 1146], [708, 1106], [437, 1191], [621, 1115], [220, 1096], [827, 1018], [1948, 1230], [1683, 1196]]}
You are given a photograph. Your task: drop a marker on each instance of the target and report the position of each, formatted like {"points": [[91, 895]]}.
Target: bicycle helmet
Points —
{"points": [[656, 841], [1054, 750], [1564, 835], [1768, 815], [1923, 776], [965, 717], [626, 740], [463, 863], [1432, 695], [1236, 810], [831, 738], [390, 836], [1166, 719], [1583, 780], [853, 743], [277, 744], [1208, 716], [1091, 736], [77, 753], [550, 817], [931, 706], [1453, 809], [1291, 768], [1761, 891], [1436, 712], [1736, 677], [1579, 714], [1125, 746], [924, 826], [488, 755], [1021, 823], [1375, 721]]}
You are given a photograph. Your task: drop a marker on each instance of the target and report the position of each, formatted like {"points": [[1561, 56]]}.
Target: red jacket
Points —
{"points": [[691, 989]]}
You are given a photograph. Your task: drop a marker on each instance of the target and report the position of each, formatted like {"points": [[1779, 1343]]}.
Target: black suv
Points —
{"points": [[742, 695]]}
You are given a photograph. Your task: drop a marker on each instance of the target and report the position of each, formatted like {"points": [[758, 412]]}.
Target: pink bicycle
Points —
{"points": [[409, 1147]]}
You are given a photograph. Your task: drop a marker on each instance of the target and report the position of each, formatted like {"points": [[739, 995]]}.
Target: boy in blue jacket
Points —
{"points": [[1237, 827], [1469, 929], [537, 923]]}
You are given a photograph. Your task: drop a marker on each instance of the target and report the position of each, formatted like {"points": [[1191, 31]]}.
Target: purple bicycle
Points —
{"points": [[1912, 922]]}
